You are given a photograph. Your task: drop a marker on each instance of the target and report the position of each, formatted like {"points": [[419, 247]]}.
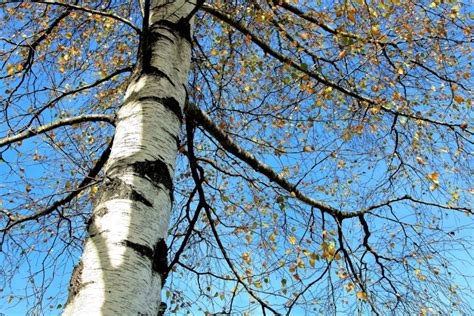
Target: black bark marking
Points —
{"points": [[141, 249], [117, 189], [173, 105], [152, 70], [158, 256], [160, 260], [182, 27], [169, 103], [162, 309], [156, 171]]}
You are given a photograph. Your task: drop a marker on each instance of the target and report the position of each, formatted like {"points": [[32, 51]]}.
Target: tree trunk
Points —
{"points": [[124, 264]]}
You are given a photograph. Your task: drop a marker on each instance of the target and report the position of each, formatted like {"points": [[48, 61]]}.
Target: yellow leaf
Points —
{"points": [[420, 276], [214, 52], [272, 237], [361, 295], [258, 285], [94, 189], [420, 160], [374, 110], [292, 240], [312, 262], [10, 69], [349, 286]]}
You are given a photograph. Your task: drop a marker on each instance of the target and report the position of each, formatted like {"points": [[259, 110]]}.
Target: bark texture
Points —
{"points": [[124, 263]]}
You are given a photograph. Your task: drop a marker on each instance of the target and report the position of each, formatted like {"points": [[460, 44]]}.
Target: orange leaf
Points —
{"points": [[434, 177]]}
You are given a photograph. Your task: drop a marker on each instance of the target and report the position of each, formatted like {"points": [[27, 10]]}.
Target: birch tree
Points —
{"points": [[268, 157]]}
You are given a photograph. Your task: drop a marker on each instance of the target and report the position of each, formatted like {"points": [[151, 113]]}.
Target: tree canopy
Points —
{"points": [[325, 160]]}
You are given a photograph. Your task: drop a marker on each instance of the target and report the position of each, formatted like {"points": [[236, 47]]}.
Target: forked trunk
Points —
{"points": [[124, 263]]}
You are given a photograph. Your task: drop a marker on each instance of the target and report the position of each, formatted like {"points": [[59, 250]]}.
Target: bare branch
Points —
{"points": [[205, 121], [202, 200], [61, 122], [82, 88], [410, 198], [84, 184]]}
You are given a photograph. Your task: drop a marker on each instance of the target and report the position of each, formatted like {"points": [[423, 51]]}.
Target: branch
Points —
{"points": [[202, 200], [84, 183], [93, 11], [197, 7], [61, 122], [410, 198], [94, 84], [189, 230], [315, 75], [284, 59], [287, 6], [228, 144], [28, 63]]}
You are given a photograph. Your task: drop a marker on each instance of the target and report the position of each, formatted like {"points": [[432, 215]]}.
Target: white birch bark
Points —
{"points": [[124, 261]]}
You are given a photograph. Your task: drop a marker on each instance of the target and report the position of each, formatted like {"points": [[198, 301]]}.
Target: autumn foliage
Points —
{"points": [[325, 161]]}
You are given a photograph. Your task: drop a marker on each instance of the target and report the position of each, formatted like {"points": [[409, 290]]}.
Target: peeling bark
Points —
{"points": [[124, 263]]}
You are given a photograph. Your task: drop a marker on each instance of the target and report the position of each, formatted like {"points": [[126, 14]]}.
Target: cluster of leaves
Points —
{"points": [[333, 174]]}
